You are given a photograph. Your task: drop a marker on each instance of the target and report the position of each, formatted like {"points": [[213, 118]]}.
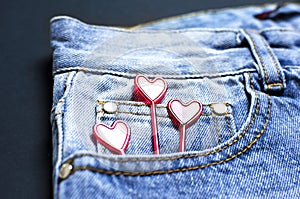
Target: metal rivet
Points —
{"points": [[65, 170], [219, 108], [110, 107]]}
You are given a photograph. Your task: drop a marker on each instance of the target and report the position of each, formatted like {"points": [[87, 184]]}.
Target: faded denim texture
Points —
{"points": [[229, 57]]}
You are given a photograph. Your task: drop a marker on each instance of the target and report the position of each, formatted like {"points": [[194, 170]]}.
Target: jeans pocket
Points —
{"points": [[213, 140], [215, 126]]}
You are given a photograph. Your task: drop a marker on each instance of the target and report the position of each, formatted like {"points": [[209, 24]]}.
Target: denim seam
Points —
{"points": [[53, 109], [228, 122], [56, 163], [216, 126], [117, 173], [61, 101], [141, 114], [130, 104], [251, 81], [57, 114], [166, 76], [61, 150], [162, 116], [60, 135], [69, 80], [184, 156], [228, 125], [281, 30]]}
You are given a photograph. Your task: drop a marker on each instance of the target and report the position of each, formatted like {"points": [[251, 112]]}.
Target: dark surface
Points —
{"points": [[26, 79]]}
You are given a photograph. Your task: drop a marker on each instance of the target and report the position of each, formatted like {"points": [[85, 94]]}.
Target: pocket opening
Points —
{"points": [[138, 117]]}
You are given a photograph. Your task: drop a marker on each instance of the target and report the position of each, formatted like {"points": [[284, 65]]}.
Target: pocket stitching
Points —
{"points": [[144, 114]]}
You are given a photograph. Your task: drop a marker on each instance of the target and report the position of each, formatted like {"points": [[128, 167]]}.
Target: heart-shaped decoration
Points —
{"points": [[152, 91], [116, 138], [184, 114]]}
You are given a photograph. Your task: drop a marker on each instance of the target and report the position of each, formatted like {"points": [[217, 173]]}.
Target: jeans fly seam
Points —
{"points": [[158, 172]]}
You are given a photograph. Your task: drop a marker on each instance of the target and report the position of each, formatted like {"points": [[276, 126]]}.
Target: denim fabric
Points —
{"points": [[285, 17], [228, 57]]}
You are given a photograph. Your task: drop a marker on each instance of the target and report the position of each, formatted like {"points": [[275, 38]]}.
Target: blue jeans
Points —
{"points": [[249, 66]]}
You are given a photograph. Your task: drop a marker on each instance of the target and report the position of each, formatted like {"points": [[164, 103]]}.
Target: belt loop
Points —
{"points": [[268, 65]]}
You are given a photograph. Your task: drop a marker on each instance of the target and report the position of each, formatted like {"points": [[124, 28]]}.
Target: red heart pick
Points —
{"points": [[116, 138], [149, 91], [183, 116]]}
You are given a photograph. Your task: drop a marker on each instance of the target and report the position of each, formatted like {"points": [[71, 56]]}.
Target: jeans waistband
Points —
{"points": [[173, 53]]}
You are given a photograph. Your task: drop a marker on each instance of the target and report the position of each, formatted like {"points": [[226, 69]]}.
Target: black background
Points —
{"points": [[26, 78]]}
